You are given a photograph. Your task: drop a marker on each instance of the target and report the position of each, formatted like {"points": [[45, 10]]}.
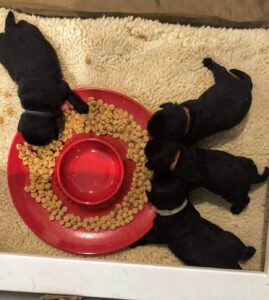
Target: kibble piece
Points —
{"points": [[118, 206], [59, 204], [140, 207], [120, 218], [75, 227], [66, 218], [113, 227], [135, 210], [38, 199], [7, 94], [9, 111], [68, 224], [88, 60], [96, 229], [104, 226]]}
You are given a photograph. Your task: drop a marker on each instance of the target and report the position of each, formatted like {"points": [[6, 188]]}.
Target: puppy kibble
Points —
{"points": [[7, 94], [10, 111], [103, 119]]}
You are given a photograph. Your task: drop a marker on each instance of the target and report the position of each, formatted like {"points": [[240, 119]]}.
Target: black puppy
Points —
{"points": [[194, 240], [33, 64], [219, 108], [218, 171]]}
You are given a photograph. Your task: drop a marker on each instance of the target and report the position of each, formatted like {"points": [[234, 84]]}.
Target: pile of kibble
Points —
{"points": [[103, 119]]}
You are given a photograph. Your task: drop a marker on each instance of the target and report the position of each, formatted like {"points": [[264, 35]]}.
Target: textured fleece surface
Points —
{"points": [[153, 63]]}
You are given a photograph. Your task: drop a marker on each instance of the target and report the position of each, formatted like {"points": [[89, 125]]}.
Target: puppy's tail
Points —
{"points": [[261, 178], [10, 20], [243, 76]]}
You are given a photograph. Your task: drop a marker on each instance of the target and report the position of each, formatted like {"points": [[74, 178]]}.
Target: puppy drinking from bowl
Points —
{"points": [[193, 239], [33, 64], [220, 107], [218, 171]]}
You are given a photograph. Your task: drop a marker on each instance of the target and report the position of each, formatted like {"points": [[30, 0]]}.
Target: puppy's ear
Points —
{"points": [[167, 104]]}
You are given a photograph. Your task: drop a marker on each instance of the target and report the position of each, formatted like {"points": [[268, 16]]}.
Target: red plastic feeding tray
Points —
{"points": [[87, 165]]}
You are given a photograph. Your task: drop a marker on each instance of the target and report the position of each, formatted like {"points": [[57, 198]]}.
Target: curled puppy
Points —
{"points": [[218, 171], [219, 108], [33, 64], [194, 240]]}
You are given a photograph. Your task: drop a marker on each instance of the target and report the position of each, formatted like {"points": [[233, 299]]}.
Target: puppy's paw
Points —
{"points": [[249, 253], [82, 108], [136, 244], [207, 62], [237, 209]]}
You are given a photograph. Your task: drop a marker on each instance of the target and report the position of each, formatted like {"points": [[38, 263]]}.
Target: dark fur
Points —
{"points": [[194, 240], [33, 64], [218, 171], [219, 108]]}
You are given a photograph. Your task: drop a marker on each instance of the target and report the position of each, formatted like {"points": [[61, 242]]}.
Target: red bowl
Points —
{"points": [[90, 171]]}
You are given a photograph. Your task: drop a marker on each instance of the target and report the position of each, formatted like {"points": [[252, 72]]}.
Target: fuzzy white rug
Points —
{"points": [[153, 63]]}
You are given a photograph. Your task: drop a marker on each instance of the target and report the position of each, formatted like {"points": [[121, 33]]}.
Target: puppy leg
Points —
{"points": [[243, 76], [248, 253], [260, 178], [238, 207], [1, 37], [80, 106], [219, 72], [234, 266], [150, 238], [67, 94]]}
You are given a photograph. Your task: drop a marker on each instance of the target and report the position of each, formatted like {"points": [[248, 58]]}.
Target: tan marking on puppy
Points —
{"points": [[187, 112], [174, 162]]}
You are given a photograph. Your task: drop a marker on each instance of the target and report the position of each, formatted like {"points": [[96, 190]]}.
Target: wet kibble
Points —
{"points": [[103, 119]]}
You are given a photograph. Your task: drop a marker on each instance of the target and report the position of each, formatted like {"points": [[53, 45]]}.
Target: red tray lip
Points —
{"points": [[58, 167], [147, 209], [114, 92]]}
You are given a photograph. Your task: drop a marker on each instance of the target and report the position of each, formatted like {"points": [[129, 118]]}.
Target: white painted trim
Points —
{"points": [[96, 278], [127, 281], [266, 264]]}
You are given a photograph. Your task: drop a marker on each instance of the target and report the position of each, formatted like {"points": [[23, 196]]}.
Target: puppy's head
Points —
{"points": [[171, 122], [167, 193], [40, 94], [38, 130], [160, 154]]}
